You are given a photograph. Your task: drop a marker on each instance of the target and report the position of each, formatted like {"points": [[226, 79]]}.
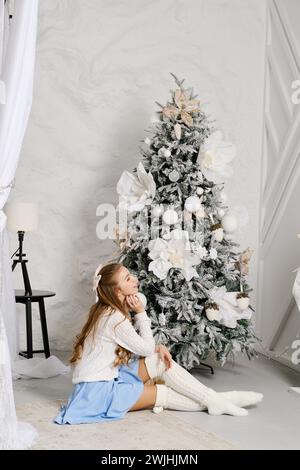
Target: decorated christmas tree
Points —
{"points": [[175, 233]]}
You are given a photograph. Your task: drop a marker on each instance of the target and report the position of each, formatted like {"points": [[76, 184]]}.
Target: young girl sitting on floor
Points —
{"points": [[114, 357]]}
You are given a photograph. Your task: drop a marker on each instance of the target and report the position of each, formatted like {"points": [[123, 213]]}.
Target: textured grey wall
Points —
{"points": [[100, 67]]}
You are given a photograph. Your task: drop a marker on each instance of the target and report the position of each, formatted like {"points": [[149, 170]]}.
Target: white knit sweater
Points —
{"points": [[98, 356]]}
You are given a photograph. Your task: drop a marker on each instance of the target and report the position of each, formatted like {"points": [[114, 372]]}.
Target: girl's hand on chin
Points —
{"points": [[134, 303]]}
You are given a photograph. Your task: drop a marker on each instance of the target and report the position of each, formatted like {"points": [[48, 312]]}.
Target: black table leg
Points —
{"points": [[205, 365], [29, 329], [208, 366], [44, 327]]}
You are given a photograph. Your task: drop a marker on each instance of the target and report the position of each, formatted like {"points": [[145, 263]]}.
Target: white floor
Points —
{"points": [[273, 424]]}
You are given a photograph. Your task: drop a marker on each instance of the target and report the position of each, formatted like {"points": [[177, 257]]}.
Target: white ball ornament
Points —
{"points": [[174, 176], [229, 223], [192, 204], [170, 217], [167, 153], [200, 191], [143, 299], [157, 210]]}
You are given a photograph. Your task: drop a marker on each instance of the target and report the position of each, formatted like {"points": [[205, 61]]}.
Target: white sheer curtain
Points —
{"points": [[17, 74], [3, 42]]}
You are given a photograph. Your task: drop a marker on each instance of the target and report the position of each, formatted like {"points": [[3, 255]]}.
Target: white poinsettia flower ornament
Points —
{"points": [[173, 252], [136, 191], [215, 156]]}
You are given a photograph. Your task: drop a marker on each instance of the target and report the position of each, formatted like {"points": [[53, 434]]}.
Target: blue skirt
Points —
{"points": [[104, 400]]}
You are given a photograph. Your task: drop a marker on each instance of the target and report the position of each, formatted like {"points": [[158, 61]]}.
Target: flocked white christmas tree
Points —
{"points": [[178, 236]]}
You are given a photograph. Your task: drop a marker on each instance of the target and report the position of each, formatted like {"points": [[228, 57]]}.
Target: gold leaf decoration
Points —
{"points": [[186, 118], [183, 109], [171, 111], [244, 259], [179, 98], [192, 106]]}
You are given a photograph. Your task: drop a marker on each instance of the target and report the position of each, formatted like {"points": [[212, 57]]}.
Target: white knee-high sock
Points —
{"points": [[242, 398], [168, 398], [180, 380]]}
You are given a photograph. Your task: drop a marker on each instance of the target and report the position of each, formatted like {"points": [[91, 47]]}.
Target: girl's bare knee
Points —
{"points": [[147, 399]]}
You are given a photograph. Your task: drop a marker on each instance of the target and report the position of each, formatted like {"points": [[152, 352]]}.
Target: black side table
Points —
{"points": [[37, 296]]}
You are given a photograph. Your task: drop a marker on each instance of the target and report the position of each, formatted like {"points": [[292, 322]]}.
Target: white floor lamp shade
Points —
{"points": [[22, 216]]}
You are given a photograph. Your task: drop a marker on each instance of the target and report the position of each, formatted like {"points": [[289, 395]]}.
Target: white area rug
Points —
{"points": [[138, 430]]}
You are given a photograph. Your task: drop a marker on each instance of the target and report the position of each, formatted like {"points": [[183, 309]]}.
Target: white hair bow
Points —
{"points": [[97, 278]]}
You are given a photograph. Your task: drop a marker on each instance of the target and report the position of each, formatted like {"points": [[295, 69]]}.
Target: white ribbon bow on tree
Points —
{"points": [[96, 279]]}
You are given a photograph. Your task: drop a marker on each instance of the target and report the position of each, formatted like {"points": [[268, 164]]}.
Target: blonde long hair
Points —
{"points": [[107, 301]]}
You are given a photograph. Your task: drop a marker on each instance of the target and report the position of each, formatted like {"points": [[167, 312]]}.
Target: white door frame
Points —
{"points": [[279, 176]]}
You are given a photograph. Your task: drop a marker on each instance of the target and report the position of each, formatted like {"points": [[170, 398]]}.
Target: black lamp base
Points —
{"points": [[21, 259]]}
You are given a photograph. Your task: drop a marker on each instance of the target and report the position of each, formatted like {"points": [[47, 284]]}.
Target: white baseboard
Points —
{"points": [[281, 359]]}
